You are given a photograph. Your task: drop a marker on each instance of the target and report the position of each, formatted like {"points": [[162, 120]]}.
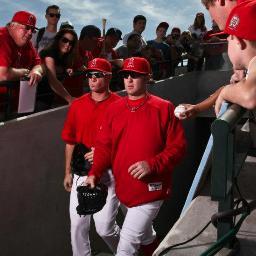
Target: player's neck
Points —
{"points": [[100, 96]]}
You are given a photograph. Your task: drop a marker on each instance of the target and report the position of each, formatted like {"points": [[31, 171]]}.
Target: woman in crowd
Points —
{"points": [[58, 58], [198, 28]]}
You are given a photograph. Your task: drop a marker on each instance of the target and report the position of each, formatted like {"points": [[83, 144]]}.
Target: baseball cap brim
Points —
{"points": [[97, 69], [222, 33], [132, 70]]}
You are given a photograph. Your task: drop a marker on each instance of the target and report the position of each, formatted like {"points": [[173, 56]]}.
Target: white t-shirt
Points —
{"points": [[46, 39]]}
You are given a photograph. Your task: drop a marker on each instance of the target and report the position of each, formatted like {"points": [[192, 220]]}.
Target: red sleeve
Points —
{"points": [[174, 149], [36, 58], [103, 146], [5, 53], [69, 130]]}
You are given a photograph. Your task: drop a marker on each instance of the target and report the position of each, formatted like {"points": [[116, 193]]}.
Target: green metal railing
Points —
{"points": [[229, 153]]}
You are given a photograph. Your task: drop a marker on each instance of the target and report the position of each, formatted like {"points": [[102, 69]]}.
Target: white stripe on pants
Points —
{"points": [[137, 228], [104, 220]]}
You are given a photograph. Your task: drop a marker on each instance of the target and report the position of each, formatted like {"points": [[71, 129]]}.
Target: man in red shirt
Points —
{"points": [[18, 58], [142, 140], [81, 126]]}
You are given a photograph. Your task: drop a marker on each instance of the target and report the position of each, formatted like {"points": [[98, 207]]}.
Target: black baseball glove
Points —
{"points": [[79, 165], [91, 200]]}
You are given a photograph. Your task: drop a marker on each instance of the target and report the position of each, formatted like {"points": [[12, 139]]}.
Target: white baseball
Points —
{"points": [[179, 111]]}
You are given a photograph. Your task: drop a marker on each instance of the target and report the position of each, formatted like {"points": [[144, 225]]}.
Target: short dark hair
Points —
{"points": [[139, 17], [89, 31], [54, 6]]}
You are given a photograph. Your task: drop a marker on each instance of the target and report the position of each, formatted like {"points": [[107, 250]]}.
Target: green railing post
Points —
{"points": [[223, 164]]}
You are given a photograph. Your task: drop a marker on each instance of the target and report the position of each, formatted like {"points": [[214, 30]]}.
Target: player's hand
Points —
{"points": [[34, 77], [90, 181], [139, 170], [68, 181], [89, 156], [188, 112]]}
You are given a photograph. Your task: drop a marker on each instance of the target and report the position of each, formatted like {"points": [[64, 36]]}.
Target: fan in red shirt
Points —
{"points": [[142, 140], [18, 58]]}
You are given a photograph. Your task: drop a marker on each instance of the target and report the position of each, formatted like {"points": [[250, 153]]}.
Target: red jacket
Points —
{"points": [[84, 119], [151, 133]]}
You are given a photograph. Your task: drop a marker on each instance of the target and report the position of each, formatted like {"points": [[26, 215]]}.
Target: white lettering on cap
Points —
{"points": [[234, 22], [130, 63], [30, 19], [94, 63]]}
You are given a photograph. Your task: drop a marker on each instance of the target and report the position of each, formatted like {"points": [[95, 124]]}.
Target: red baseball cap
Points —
{"points": [[25, 18], [241, 21], [136, 64], [99, 64]]}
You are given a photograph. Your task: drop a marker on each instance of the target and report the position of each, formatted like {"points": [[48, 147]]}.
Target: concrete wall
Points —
{"points": [[33, 204]]}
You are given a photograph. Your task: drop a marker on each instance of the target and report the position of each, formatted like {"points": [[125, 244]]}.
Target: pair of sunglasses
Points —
{"points": [[66, 40], [95, 74], [57, 15], [133, 75], [27, 27]]}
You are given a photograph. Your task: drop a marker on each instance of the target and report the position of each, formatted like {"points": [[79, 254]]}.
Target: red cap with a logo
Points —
{"points": [[99, 64], [137, 64], [25, 18], [241, 21]]}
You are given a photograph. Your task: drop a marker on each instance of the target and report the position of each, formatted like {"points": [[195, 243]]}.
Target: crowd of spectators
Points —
{"points": [[64, 55]]}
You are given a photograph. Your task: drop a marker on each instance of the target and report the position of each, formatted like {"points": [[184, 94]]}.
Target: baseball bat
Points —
{"points": [[104, 21]]}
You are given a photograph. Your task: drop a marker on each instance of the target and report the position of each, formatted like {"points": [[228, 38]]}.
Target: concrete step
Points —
{"points": [[200, 212]]}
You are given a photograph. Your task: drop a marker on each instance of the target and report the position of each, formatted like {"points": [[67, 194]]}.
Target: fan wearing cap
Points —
{"points": [[142, 140], [219, 11], [18, 57], [82, 125], [240, 27]]}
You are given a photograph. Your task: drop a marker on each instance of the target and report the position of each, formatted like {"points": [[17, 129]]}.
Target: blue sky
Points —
{"points": [[118, 13]]}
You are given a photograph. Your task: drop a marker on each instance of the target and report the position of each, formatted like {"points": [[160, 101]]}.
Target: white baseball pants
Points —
{"points": [[137, 228], [105, 223]]}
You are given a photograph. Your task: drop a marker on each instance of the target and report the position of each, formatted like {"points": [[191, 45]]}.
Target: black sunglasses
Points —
{"points": [[57, 15], [66, 40], [133, 75], [95, 74], [27, 27]]}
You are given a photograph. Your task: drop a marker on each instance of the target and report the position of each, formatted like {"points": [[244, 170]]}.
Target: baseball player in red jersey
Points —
{"points": [[142, 140], [81, 126]]}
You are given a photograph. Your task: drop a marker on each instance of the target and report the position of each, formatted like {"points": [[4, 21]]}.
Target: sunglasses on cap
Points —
{"points": [[133, 75], [65, 40], [96, 74], [57, 15]]}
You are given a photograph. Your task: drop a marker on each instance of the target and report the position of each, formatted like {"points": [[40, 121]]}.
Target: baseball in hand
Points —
{"points": [[179, 111]]}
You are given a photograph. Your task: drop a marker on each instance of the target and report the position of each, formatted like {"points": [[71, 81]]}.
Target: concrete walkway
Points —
{"points": [[200, 212]]}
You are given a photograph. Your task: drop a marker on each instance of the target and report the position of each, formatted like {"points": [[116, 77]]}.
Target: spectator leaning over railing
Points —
{"points": [[218, 10], [242, 52], [18, 58], [44, 36], [59, 58]]}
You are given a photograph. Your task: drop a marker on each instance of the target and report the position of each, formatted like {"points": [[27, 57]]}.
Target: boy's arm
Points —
{"points": [[193, 110], [243, 93]]}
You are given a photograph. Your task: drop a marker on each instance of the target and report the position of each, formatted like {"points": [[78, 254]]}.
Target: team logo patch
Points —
{"points": [[31, 19], [156, 186], [234, 22], [94, 63], [130, 63]]}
